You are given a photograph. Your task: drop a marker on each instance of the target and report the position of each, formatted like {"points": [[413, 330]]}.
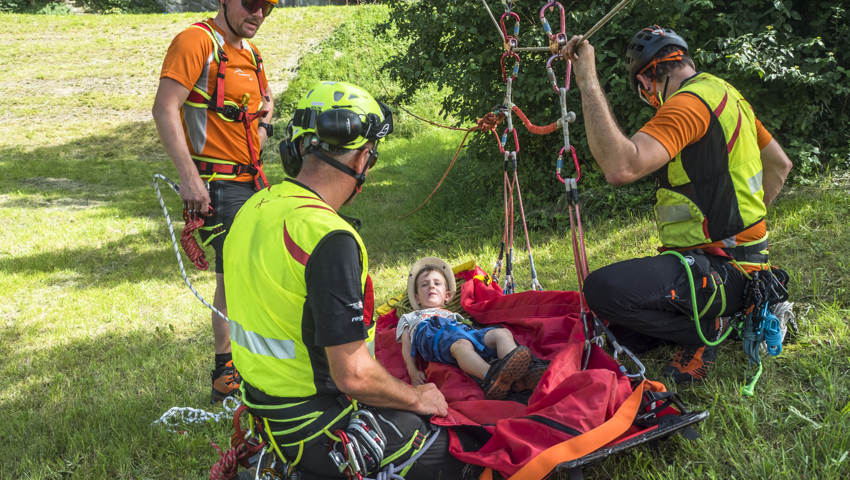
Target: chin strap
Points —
{"points": [[655, 100], [228, 21], [360, 177]]}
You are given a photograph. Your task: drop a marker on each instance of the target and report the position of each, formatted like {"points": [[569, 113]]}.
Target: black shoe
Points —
{"points": [[503, 373], [225, 382], [693, 362]]}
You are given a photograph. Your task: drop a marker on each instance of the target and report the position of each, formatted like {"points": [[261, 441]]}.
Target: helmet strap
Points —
{"points": [[360, 177], [228, 21]]}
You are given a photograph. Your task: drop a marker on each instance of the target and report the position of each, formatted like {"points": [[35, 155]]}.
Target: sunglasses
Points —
{"points": [[252, 5]]}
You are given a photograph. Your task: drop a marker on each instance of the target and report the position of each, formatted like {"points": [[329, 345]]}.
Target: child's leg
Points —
{"points": [[501, 340], [468, 359]]}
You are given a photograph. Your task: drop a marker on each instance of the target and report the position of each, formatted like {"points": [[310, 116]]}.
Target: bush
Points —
{"points": [[788, 58]]}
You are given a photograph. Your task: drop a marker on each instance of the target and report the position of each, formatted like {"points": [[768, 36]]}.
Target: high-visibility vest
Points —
{"points": [[265, 255], [712, 190]]}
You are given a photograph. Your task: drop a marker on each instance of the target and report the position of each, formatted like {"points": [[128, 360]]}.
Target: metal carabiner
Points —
{"points": [[516, 67], [557, 40], [641, 368], [504, 142], [510, 40], [560, 164], [551, 73]]}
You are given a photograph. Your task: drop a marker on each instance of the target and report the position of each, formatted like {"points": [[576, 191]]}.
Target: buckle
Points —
{"points": [[231, 113]]}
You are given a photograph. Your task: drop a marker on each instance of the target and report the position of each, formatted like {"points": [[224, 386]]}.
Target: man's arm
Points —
{"points": [[166, 113], [776, 166], [268, 107], [623, 160], [359, 376]]}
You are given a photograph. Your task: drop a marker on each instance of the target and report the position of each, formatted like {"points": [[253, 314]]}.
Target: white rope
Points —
{"points": [[179, 416], [176, 189]]}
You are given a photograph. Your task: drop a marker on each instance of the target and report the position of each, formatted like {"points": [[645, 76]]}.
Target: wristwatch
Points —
{"points": [[269, 128]]}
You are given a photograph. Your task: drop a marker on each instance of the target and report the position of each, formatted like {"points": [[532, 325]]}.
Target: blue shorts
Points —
{"points": [[435, 336]]}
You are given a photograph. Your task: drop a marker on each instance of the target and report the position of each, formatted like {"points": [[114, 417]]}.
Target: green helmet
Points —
{"points": [[339, 115]]}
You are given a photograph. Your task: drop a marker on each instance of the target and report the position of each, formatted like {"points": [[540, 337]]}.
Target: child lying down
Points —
{"points": [[489, 355]]}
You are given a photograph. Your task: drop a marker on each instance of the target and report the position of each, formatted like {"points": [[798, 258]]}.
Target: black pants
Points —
{"points": [[226, 198], [399, 427], [648, 300]]}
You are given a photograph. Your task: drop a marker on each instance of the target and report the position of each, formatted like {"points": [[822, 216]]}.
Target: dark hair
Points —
{"points": [[663, 69]]}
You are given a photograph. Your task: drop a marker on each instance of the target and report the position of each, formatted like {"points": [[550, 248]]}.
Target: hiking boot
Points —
{"points": [[532, 377], [503, 373], [693, 362], [225, 382]]}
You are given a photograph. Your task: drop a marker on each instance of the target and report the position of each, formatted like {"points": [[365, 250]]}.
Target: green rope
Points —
{"points": [[697, 313], [749, 389]]}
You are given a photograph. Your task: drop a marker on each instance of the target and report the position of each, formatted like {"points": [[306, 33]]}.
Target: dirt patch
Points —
{"points": [[50, 183]]}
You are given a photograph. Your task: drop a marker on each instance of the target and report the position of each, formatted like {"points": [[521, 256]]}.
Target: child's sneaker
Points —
{"points": [[503, 373], [532, 377]]}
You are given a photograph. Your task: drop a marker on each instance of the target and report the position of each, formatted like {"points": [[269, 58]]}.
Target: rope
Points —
{"points": [[489, 122], [176, 189], [228, 463], [533, 128], [180, 416], [189, 243]]}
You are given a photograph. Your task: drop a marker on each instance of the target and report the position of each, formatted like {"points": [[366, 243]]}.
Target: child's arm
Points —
{"points": [[416, 376]]}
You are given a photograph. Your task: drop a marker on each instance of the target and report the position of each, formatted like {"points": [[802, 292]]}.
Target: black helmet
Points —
{"points": [[645, 45]]}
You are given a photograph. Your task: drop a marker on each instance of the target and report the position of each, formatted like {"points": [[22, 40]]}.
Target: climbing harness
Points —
{"points": [[190, 251], [756, 323], [230, 112]]}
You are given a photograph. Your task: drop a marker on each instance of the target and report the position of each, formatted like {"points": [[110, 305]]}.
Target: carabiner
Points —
{"points": [[551, 73], [516, 67], [557, 40], [504, 141], [641, 368], [561, 164], [510, 40]]}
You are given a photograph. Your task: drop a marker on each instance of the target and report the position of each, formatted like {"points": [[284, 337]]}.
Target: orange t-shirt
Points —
{"points": [[191, 62], [681, 121]]}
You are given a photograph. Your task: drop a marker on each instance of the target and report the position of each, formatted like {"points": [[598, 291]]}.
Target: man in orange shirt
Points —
{"points": [[213, 131], [717, 169]]}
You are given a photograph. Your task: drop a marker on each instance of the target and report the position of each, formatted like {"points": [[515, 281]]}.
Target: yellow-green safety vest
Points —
{"points": [[713, 190], [265, 255]]}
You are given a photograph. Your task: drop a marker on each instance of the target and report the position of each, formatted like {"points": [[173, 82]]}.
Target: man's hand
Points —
{"points": [[431, 401], [583, 57], [194, 193]]}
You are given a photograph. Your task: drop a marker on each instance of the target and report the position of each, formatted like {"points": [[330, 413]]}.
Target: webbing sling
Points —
{"points": [[230, 111], [542, 465]]}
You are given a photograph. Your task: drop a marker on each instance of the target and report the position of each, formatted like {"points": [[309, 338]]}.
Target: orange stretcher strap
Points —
{"points": [[540, 466]]}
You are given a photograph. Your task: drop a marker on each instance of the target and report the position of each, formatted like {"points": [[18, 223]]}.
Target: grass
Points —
{"points": [[100, 336]]}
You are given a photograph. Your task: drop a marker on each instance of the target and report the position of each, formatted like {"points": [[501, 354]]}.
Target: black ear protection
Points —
{"points": [[334, 128]]}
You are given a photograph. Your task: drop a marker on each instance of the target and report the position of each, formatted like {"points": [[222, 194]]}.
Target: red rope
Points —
{"points": [[487, 123], [533, 128], [190, 244], [228, 463]]}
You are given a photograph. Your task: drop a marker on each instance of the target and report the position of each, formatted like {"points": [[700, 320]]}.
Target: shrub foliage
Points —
{"points": [[787, 57]]}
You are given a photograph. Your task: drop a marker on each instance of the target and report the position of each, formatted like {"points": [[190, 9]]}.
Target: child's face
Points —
{"points": [[431, 290]]}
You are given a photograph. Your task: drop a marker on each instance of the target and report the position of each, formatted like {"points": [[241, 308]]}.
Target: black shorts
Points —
{"points": [[226, 198], [648, 300]]}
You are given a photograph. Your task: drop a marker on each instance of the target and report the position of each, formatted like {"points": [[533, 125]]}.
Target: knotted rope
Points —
{"points": [[190, 243]]}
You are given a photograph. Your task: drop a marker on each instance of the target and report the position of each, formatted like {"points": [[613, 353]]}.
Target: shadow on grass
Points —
{"points": [[86, 406]]}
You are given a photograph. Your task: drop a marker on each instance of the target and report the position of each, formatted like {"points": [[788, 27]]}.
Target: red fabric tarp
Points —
{"points": [[566, 400]]}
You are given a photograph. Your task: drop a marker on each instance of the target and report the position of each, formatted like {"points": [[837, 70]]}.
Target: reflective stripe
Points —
{"points": [[673, 213], [729, 242], [755, 182], [257, 344]]}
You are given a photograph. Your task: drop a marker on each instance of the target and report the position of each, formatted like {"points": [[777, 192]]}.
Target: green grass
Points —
{"points": [[100, 336]]}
